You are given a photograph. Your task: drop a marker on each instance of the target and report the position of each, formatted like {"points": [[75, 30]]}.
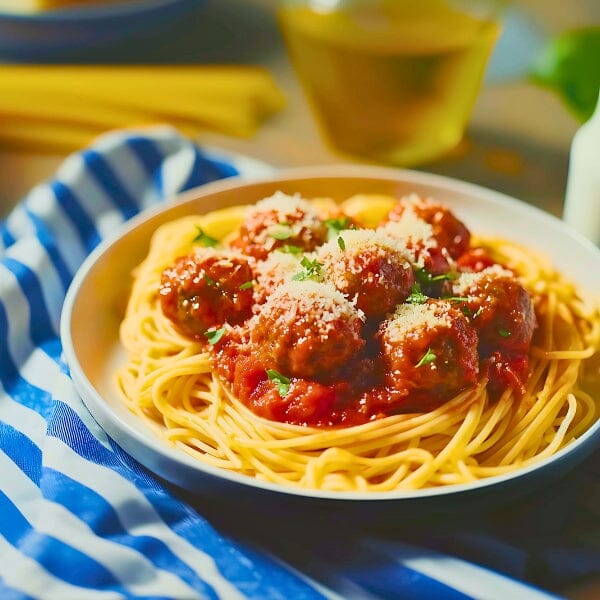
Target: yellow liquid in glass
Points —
{"points": [[394, 81]]}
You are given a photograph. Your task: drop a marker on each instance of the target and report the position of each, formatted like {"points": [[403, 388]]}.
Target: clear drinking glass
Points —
{"points": [[392, 81]]}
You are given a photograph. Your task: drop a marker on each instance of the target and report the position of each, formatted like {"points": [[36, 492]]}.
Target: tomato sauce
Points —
{"points": [[358, 397]]}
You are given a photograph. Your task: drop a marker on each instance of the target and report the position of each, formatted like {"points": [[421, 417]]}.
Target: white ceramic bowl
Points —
{"points": [[91, 318]]}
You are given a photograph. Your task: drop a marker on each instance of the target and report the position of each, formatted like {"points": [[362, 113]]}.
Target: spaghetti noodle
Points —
{"points": [[171, 379]]}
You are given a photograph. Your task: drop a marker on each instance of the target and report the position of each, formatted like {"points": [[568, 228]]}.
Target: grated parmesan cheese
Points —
{"points": [[284, 206], [414, 200], [412, 317], [411, 229], [226, 256], [277, 268], [467, 280], [320, 301], [359, 240], [292, 214]]}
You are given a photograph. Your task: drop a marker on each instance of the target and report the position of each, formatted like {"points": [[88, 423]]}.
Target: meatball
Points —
{"points": [[205, 289], [431, 261], [430, 353], [450, 232], [370, 267], [499, 308], [280, 220], [307, 329]]}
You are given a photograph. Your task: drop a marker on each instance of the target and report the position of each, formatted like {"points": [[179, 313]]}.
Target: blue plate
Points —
{"points": [[64, 33]]}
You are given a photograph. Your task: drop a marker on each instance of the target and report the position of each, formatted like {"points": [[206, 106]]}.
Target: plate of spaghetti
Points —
{"points": [[342, 333]]}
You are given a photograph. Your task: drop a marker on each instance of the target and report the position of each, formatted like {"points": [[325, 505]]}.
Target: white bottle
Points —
{"points": [[582, 200]]}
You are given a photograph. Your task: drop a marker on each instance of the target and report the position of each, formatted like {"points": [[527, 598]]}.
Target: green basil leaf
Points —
{"points": [[214, 335], [282, 383], [427, 358], [204, 239], [416, 296], [281, 232], [569, 65]]}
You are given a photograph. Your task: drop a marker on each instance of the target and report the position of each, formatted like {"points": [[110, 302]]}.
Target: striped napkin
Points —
{"points": [[81, 519]]}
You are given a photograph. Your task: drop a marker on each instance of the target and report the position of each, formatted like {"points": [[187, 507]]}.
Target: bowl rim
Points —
{"points": [[115, 9], [102, 412]]}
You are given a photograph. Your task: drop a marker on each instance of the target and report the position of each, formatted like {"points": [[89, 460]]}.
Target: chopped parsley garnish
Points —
{"points": [[282, 383], [204, 239], [442, 277], [416, 296], [427, 358], [290, 249], [209, 280], [470, 314], [424, 276], [341, 242], [504, 333], [214, 335], [312, 269], [247, 285], [336, 225], [282, 231]]}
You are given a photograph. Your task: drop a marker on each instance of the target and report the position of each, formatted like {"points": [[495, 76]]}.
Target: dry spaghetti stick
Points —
{"points": [[231, 100], [121, 80]]}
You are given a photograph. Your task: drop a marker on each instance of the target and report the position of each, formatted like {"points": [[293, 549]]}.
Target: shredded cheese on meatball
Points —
{"points": [[411, 228], [356, 241], [412, 231], [287, 210], [412, 317], [226, 256], [414, 200], [467, 280], [282, 203], [277, 268], [318, 300]]}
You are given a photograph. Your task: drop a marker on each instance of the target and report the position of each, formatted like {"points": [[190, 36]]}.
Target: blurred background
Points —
{"points": [[517, 140]]}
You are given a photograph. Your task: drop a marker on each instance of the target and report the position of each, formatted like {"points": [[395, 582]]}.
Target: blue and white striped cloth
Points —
{"points": [[81, 519]]}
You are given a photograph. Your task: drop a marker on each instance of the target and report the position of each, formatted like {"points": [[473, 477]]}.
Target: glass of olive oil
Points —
{"points": [[391, 81]]}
